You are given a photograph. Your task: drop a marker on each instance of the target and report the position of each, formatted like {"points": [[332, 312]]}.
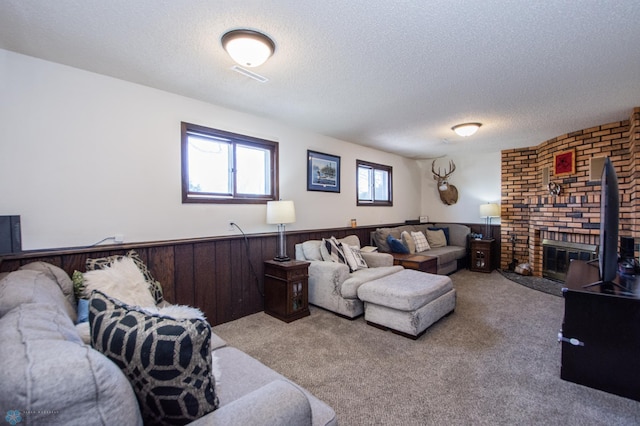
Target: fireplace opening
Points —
{"points": [[556, 256]]}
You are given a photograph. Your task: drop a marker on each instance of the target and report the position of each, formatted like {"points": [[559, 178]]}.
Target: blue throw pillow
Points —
{"points": [[83, 310], [396, 245], [445, 230]]}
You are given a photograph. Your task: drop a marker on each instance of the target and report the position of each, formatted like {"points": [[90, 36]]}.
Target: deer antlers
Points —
{"points": [[452, 166]]}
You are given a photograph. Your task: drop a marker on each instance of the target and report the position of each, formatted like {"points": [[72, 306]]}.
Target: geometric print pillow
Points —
{"points": [[154, 286], [354, 257], [167, 360], [335, 251]]}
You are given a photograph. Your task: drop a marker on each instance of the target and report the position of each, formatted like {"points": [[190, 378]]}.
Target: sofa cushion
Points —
{"points": [[27, 286], [57, 275], [396, 245], [47, 370], [420, 241], [447, 254], [154, 286], [349, 288], [436, 238], [168, 361], [458, 233], [311, 250], [122, 280]]}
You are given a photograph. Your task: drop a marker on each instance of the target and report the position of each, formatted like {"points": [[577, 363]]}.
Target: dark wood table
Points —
{"points": [[418, 262]]}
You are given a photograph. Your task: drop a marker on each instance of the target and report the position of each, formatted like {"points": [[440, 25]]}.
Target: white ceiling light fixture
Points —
{"points": [[466, 129], [247, 47]]}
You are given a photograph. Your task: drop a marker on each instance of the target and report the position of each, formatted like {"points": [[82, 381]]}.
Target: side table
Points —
{"points": [[286, 289], [482, 256], [418, 262]]}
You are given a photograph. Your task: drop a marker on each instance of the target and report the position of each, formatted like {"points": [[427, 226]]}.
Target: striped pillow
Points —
{"points": [[420, 241]]}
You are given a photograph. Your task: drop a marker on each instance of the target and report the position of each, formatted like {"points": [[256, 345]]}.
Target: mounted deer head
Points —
{"points": [[448, 192]]}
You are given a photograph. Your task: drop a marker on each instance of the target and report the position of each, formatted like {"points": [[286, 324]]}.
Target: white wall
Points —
{"points": [[477, 177], [85, 156]]}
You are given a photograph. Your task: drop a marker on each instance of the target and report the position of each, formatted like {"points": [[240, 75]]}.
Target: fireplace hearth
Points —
{"points": [[556, 256]]}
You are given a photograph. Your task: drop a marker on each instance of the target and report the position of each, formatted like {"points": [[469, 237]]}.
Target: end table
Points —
{"points": [[482, 255], [286, 289]]}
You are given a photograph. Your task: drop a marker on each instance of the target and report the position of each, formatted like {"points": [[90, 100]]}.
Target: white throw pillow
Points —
{"points": [[121, 280], [421, 242]]}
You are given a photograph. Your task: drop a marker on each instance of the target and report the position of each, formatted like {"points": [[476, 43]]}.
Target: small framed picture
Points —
{"points": [[564, 163], [323, 172]]}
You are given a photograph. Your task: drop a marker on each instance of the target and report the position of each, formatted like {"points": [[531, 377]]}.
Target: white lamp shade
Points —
{"points": [[248, 48], [280, 212], [489, 210]]}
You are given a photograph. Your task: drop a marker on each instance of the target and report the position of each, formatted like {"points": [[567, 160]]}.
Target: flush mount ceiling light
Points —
{"points": [[247, 47], [466, 129]]}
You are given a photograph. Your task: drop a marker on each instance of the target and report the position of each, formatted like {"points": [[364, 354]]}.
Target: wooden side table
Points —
{"points": [[286, 290], [418, 262], [482, 256]]}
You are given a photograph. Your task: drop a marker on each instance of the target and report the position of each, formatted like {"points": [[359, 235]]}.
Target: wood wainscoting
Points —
{"points": [[215, 274]]}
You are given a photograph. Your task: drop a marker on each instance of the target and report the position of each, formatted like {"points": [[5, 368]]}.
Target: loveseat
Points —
{"points": [[333, 285], [51, 376], [451, 250]]}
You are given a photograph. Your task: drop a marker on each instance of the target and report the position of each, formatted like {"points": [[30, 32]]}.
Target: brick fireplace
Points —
{"points": [[531, 214]]}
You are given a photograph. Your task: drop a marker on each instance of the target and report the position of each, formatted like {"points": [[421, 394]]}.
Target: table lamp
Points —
{"points": [[488, 211], [281, 212]]}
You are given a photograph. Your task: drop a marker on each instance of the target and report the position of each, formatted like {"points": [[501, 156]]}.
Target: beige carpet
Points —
{"points": [[495, 360]]}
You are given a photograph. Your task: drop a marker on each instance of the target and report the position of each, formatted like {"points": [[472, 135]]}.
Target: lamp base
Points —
{"points": [[282, 258]]}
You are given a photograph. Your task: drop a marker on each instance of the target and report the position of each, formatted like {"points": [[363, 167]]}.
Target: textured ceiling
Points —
{"points": [[395, 75]]}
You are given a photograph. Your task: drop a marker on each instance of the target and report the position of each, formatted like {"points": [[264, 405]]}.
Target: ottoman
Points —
{"points": [[407, 302]]}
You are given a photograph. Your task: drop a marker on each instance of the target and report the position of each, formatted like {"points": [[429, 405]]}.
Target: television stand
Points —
{"points": [[600, 334]]}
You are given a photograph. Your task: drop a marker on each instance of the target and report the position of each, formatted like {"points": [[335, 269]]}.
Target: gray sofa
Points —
{"points": [[332, 286], [450, 257], [50, 376]]}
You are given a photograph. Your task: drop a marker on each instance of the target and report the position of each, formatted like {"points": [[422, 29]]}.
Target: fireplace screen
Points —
{"points": [[556, 256]]}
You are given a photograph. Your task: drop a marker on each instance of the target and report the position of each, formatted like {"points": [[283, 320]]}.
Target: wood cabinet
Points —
{"points": [[482, 255], [286, 289]]}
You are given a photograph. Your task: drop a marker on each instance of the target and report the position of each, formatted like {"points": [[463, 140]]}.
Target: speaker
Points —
{"points": [[627, 248], [10, 237]]}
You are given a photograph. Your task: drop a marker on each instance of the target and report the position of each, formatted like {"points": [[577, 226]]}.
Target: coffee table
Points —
{"points": [[418, 262]]}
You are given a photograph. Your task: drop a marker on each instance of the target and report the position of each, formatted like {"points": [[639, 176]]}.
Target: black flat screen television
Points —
{"points": [[609, 217]]}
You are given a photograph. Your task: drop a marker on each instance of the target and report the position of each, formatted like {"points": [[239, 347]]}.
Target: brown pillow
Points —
{"points": [[436, 238]]}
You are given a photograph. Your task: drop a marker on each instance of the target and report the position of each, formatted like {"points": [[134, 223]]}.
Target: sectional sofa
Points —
{"points": [[51, 376], [451, 256]]}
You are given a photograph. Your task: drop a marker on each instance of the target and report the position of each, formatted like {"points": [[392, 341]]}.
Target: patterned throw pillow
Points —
{"points": [[407, 240], [354, 257], [167, 360], [154, 286], [421, 242], [436, 238], [335, 251]]}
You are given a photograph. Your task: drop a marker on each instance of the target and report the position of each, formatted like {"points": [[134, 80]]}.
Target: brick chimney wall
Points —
{"points": [[530, 213]]}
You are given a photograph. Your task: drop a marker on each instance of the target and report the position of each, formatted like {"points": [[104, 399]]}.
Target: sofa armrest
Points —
{"points": [[375, 260], [276, 403]]}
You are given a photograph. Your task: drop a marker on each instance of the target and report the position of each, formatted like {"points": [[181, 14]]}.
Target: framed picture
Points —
{"points": [[564, 163], [323, 172]]}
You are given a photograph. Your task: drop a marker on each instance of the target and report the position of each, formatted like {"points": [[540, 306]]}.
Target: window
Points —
{"points": [[224, 167], [374, 184]]}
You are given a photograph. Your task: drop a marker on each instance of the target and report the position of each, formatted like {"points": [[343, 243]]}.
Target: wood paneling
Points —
{"points": [[222, 276]]}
